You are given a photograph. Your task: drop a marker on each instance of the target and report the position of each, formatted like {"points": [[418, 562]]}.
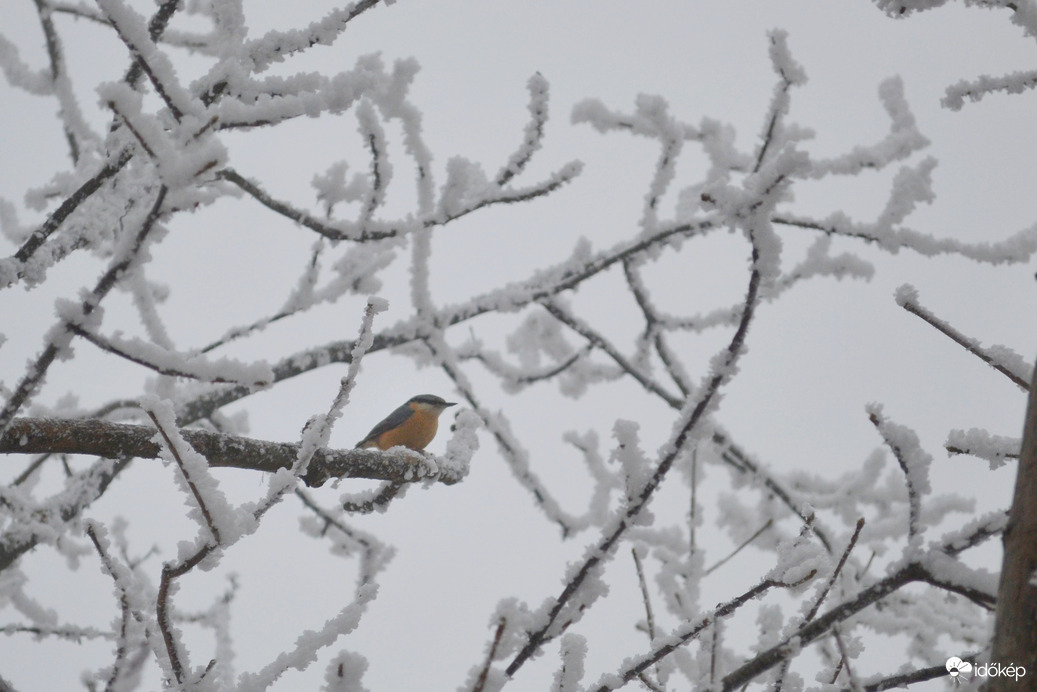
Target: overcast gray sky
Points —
{"points": [[816, 357]]}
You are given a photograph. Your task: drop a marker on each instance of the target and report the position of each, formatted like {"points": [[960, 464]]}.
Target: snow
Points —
{"points": [[345, 673], [209, 506], [698, 179], [21, 75], [995, 449], [573, 652], [133, 31], [976, 89], [309, 643], [903, 140], [533, 133]]}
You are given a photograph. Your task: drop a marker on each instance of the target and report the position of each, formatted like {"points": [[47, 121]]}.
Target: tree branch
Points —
{"points": [[908, 300], [71, 203], [121, 263], [1015, 637], [103, 438], [673, 450]]}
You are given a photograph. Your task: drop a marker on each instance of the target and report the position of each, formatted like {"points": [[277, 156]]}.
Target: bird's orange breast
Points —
{"points": [[415, 432]]}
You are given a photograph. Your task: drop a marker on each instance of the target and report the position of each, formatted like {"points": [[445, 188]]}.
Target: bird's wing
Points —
{"points": [[393, 420]]}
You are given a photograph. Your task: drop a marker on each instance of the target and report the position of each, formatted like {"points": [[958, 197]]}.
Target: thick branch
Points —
{"points": [[106, 439], [1015, 637]]}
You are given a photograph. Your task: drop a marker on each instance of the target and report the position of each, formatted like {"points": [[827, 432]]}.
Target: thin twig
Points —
{"points": [[691, 630], [299, 216], [693, 509], [71, 203], [57, 72], [333, 232], [156, 27], [812, 613], [30, 469], [650, 619], [598, 340], [746, 542], [739, 460], [913, 500], [171, 447], [957, 337], [107, 345], [845, 660], [835, 573], [38, 370], [675, 448], [381, 500], [480, 682], [905, 679], [121, 651], [379, 178], [534, 134], [330, 520], [171, 572], [506, 441]]}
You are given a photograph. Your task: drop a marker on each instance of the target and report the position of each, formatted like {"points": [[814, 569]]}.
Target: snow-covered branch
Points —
{"points": [[201, 329], [96, 437]]}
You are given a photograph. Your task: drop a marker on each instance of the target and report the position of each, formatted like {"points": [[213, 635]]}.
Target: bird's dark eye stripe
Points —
{"points": [[428, 399]]}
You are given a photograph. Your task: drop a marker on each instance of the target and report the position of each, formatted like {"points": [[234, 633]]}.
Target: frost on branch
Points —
{"points": [[995, 449], [840, 547]]}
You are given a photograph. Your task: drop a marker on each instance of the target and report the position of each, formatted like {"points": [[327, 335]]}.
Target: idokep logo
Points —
{"points": [[956, 666], [963, 670]]}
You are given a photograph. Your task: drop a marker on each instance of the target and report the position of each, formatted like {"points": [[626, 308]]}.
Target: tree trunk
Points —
{"points": [[1015, 630]]}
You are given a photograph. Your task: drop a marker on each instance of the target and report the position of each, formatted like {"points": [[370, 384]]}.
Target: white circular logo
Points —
{"points": [[956, 666]]}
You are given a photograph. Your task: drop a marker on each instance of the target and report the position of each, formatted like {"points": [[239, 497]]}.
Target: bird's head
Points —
{"points": [[430, 403]]}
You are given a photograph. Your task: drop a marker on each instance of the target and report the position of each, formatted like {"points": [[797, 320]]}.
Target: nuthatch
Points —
{"points": [[412, 425]]}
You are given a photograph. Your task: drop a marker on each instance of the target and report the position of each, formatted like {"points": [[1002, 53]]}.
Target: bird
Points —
{"points": [[412, 425]]}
